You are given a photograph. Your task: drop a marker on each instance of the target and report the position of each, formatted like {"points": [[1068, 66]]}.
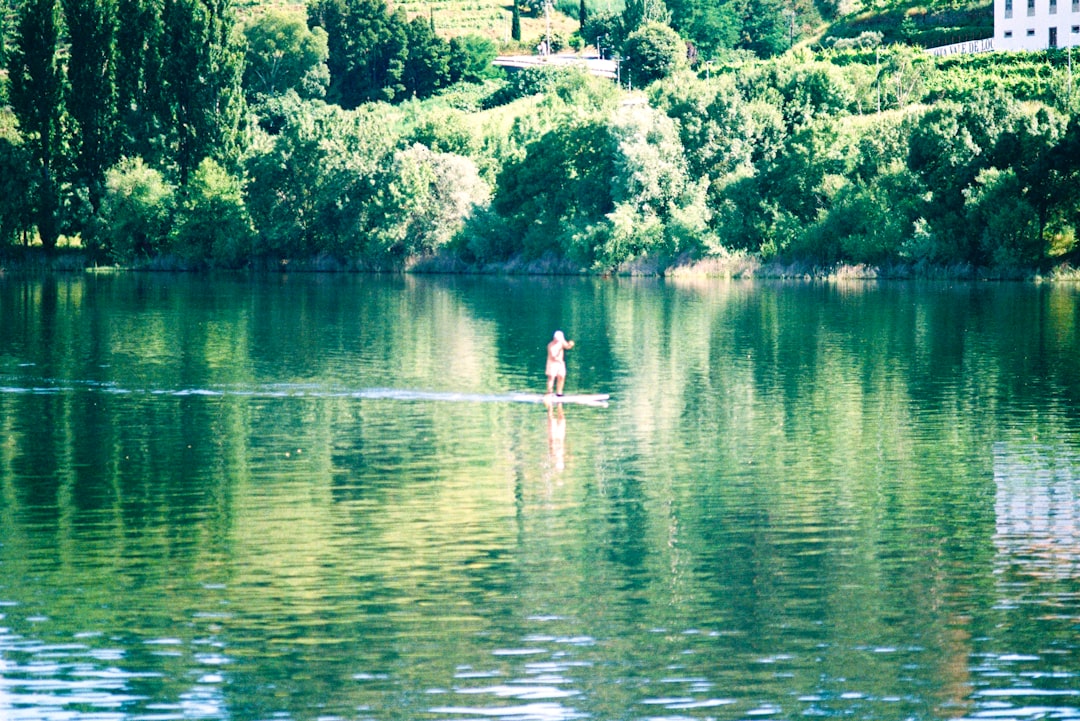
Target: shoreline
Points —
{"points": [[729, 266]]}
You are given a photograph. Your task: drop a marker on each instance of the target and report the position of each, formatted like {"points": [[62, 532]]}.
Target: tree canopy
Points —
{"points": [[356, 137]]}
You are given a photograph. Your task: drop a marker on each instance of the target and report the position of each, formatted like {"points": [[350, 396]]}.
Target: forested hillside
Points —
{"points": [[346, 134]]}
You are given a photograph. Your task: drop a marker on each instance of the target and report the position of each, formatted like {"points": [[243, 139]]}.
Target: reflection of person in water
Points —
{"points": [[556, 434]]}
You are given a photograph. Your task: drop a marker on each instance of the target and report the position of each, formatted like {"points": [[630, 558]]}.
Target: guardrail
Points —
{"points": [[596, 66]]}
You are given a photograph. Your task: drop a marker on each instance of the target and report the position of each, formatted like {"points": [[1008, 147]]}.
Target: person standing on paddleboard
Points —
{"points": [[556, 362]]}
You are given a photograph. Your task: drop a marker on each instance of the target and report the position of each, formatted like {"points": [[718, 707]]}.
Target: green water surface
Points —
{"points": [[313, 497]]}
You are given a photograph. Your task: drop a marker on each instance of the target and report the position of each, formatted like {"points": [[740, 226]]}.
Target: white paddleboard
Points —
{"points": [[585, 399]]}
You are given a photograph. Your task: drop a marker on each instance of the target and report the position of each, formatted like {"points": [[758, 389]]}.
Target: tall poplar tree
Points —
{"points": [[428, 65], [140, 100], [368, 49], [203, 81], [37, 98], [91, 104]]}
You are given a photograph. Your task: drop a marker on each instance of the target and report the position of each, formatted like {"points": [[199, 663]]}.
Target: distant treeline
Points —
{"points": [[352, 137]]}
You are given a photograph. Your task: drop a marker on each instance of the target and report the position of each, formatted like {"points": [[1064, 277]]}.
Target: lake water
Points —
{"points": [[313, 497]]}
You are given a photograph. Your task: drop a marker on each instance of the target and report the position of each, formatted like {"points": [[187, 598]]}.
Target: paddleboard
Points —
{"points": [[585, 399], [582, 399]]}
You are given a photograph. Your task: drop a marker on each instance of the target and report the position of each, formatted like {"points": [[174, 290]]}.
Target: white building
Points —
{"points": [[1036, 24]]}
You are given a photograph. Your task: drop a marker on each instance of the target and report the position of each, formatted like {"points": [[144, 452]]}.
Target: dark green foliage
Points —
{"points": [[211, 223], [38, 92], [130, 134], [338, 185], [368, 49], [427, 64], [375, 55], [308, 182], [767, 29], [140, 89], [639, 13], [136, 209], [443, 132], [284, 54], [561, 187], [711, 26], [471, 59], [523, 83], [17, 184], [92, 101], [652, 52], [606, 25], [716, 125], [203, 77]]}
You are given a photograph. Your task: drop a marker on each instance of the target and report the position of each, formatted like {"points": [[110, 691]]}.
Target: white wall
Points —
{"points": [[1024, 31]]}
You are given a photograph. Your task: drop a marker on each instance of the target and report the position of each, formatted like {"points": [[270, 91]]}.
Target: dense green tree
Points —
{"points": [[16, 183], [1031, 148], [639, 13], [868, 221], [515, 21], [443, 131], [471, 59], [136, 210], [423, 201], [710, 26], [802, 88], [284, 54], [766, 27], [714, 121], [141, 103], [91, 104], [606, 25], [368, 49], [38, 91], [1006, 224], [659, 209], [203, 71], [427, 64], [211, 223], [652, 52], [945, 152], [311, 184], [559, 190]]}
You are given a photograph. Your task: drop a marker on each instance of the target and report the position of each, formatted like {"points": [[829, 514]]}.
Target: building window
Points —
{"points": [[1076, 6], [1008, 8], [1008, 34], [1031, 32], [1076, 29], [1031, 7], [1053, 37], [1053, 7]]}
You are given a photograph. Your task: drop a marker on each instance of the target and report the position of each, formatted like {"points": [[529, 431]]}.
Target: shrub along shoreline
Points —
{"points": [[21, 262]]}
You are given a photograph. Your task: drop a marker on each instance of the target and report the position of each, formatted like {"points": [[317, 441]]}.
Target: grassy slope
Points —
{"points": [[488, 18], [932, 22]]}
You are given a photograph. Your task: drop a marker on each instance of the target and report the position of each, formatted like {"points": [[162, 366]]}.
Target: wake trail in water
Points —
{"points": [[22, 386]]}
